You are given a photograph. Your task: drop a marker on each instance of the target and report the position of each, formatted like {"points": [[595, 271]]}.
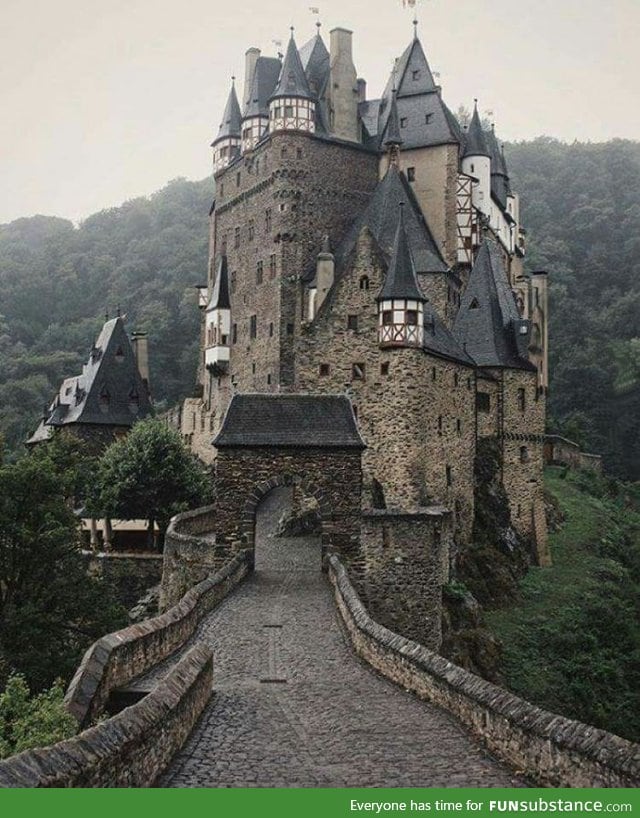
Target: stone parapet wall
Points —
{"points": [[116, 659], [129, 575], [131, 749], [552, 750]]}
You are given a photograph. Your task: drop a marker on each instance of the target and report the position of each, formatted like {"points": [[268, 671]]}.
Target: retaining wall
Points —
{"points": [[118, 658], [550, 749], [131, 749]]}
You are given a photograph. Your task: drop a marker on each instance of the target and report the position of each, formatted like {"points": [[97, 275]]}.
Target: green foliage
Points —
{"points": [[149, 474], [57, 282], [572, 644], [50, 610], [28, 721]]}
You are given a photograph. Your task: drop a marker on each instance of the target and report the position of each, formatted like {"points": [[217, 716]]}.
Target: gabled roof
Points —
{"points": [[108, 392], [400, 280], [220, 299], [488, 318], [315, 61], [231, 124], [381, 217], [292, 81], [439, 340], [475, 142], [298, 421], [265, 77]]}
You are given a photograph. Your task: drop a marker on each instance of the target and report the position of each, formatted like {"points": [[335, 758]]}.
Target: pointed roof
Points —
{"points": [[265, 77], [315, 61], [439, 340], [488, 319], [220, 299], [401, 281], [475, 142], [499, 176], [108, 392], [412, 72], [231, 124], [392, 131], [381, 217], [292, 81]]}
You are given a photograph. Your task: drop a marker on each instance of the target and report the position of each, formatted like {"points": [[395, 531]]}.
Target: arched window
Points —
{"points": [[364, 282]]}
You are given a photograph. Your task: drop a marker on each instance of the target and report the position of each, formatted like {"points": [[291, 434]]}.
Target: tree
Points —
{"points": [[50, 609], [151, 475]]}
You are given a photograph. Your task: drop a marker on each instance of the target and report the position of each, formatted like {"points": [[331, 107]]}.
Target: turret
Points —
{"points": [[226, 145], [264, 73], [476, 162], [218, 323], [401, 302], [324, 278], [292, 106], [392, 140]]}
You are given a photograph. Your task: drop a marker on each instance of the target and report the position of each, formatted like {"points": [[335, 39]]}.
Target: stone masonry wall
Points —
{"points": [[331, 476], [130, 576], [407, 563], [130, 749], [550, 749], [415, 411], [118, 658]]}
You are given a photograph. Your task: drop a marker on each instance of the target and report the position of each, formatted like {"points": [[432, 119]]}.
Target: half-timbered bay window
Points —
{"points": [[401, 323], [292, 114], [253, 129]]}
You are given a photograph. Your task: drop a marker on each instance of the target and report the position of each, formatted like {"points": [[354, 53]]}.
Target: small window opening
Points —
{"points": [[384, 368], [358, 372], [352, 322]]}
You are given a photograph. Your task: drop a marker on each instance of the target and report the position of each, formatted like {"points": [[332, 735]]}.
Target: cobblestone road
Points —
{"points": [[293, 706]]}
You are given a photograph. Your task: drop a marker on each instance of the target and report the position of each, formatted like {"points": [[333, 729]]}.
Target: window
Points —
{"points": [[223, 247], [364, 283], [267, 219], [483, 402], [272, 265], [236, 237], [237, 180], [298, 153], [384, 368], [352, 322], [434, 374], [403, 121], [234, 277], [456, 379], [289, 329], [271, 330], [474, 304], [428, 118], [521, 400], [439, 424], [253, 369], [221, 191], [269, 379], [415, 75], [324, 370], [234, 334], [259, 272], [288, 110], [411, 174], [387, 318], [412, 318], [253, 326], [449, 476], [357, 372], [468, 383], [524, 454], [250, 230], [472, 169], [459, 426]]}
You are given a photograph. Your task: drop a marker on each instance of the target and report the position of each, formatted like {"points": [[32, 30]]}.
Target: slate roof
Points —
{"points": [[499, 176], [381, 216], [292, 81], [106, 391], [488, 319], [265, 77], [439, 340], [475, 141], [315, 61], [400, 280], [413, 59], [300, 421], [220, 299], [231, 124], [392, 132]]}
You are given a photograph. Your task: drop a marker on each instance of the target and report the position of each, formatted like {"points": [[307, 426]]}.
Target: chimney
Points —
{"points": [[250, 60], [343, 87], [140, 347], [362, 90]]}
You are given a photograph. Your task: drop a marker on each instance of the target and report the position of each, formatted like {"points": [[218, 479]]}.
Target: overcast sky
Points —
{"points": [[104, 100]]}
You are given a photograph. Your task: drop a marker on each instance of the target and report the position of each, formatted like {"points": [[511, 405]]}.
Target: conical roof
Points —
{"points": [[315, 61], [488, 317], [475, 142], [412, 72], [220, 299], [265, 78], [392, 131], [231, 124], [499, 176], [401, 281], [292, 81]]}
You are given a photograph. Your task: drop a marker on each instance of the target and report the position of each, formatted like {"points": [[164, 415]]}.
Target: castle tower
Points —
{"points": [[476, 162], [401, 302], [292, 106], [392, 140], [226, 145], [262, 76], [218, 323], [343, 87]]}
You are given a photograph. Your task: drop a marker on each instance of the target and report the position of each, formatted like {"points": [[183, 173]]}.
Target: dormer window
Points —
{"points": [[474, 304], [119, 356], [134, 401], [428, 118], [415, 76], [403, 121], [104, 400], [364, 283]]}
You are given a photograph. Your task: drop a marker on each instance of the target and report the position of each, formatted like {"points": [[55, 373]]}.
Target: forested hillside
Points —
{"points": [[580, 203]]}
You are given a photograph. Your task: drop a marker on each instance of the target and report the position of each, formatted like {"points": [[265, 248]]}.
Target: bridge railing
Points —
{"points": [[552, 750]]}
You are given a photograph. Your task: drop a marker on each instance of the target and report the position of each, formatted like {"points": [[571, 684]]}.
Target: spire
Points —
{"points": [[220, 296], [476, 144], [392, 136], [401, 281], [292, 81], [231, 124]]}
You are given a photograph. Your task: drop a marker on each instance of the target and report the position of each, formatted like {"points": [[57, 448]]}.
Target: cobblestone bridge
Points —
{"points": [[293, 706]]}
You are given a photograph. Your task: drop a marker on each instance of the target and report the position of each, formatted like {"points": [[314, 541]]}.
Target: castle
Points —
{"points": [[373, 248]]}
